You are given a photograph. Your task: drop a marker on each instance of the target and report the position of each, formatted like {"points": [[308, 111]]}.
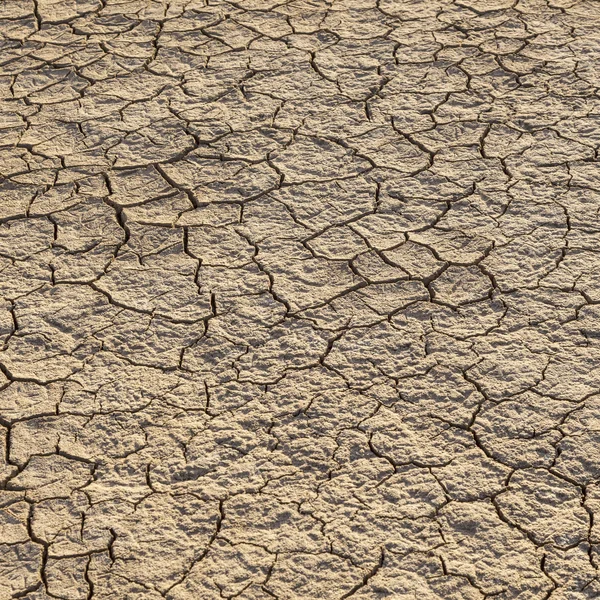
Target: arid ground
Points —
{"points": [[300, 299]]}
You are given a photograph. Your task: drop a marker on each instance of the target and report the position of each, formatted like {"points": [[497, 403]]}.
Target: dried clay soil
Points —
{"points": [[300, 299]]}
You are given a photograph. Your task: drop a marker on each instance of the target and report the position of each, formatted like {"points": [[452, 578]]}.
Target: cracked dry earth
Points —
{"points": [[301, 299]]}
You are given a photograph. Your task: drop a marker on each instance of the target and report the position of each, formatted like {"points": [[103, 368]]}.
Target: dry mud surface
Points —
{"points": [[300, 299]]}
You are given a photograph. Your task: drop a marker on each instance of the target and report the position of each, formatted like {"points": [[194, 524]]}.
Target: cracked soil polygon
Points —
{"points": [[299, 299]]}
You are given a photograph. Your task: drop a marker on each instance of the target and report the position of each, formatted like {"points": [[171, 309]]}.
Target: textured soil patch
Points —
{"points": [[299, 299]]}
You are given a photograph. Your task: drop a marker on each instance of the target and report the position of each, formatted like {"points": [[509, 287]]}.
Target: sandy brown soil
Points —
{"points": [[300, 299]]}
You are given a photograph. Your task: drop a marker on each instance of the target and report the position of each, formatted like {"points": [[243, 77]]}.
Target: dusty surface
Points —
{"points": [[300, 299]]}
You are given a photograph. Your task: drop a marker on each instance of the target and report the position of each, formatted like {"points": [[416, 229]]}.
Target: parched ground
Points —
{"points": [[300, 299]]}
